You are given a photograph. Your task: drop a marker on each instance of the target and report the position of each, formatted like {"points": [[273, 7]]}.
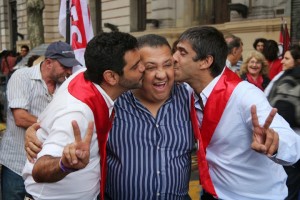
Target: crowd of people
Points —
{"points": [[125, 126]]}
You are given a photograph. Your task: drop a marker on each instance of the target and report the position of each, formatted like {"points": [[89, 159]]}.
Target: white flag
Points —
{"points": [[81, 30]]}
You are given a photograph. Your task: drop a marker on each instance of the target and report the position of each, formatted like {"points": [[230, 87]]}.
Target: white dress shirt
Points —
{"points": [[237, 171]]}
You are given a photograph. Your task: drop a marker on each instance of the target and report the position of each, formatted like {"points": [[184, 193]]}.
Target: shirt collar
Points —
{"points": [[208, 89], [36, 73], [109, 102]]}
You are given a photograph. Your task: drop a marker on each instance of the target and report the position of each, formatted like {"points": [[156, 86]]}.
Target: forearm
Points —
{"points": [[46, 169], [23, 118]]}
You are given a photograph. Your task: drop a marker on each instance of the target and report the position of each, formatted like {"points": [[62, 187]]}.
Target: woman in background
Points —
{"points": [[291, 71], [255, 70], [270, 52]]}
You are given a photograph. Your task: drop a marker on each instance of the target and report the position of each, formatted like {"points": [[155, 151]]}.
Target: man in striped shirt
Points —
{"points": [[150, 144], [29, 91]]}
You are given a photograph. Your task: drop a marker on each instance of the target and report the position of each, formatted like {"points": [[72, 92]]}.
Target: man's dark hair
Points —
{"points": [[263, 40], [207, 41], [152, 40], [106, 52], [24, 46], [271, 50], [232, 41]]}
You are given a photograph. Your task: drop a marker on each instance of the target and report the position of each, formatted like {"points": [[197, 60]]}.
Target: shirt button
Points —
{"points": [[158, 172], [158, 194], [157, 125], [158, 148]]}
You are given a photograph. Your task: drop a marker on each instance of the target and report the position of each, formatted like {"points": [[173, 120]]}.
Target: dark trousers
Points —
{"points": [[293, 182], [207, 196], [12, 185]]}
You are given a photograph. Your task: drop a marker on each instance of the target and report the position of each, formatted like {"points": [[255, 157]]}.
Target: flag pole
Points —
{"points": [[68, 21]]}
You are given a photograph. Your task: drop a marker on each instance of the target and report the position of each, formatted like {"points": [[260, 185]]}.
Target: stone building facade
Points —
{"points": [[248, 19]]}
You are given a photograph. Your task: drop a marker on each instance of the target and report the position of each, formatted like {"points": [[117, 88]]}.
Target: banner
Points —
{"points": [[81, 30], [284, 37]]}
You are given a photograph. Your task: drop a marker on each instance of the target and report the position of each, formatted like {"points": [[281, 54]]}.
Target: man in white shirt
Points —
{"points": [[240, 159], [29, 91], [113, 67]]}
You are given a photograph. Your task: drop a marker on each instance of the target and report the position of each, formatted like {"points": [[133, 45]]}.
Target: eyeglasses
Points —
{"points": [[255, 63]]}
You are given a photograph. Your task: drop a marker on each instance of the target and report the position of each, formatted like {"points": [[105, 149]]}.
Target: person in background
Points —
{"points": [[235, 50], [255, 70], [29, 91], [271, 54], [291, 70], [8, 62], [24, 51], [31, 59], [231, 141], [259, 44]]}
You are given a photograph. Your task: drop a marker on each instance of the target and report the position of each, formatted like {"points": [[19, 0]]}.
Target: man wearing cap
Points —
{"points": [[29, 91]]}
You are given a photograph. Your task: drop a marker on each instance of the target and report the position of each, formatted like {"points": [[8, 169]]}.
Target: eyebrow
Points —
{"points": [[181, 49], [133, 66]]}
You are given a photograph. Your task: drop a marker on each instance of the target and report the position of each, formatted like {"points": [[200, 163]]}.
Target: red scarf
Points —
{"points": [[214, 109], [86, 92], [258, 82]]}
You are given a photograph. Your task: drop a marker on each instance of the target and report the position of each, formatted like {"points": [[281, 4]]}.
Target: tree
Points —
{"points": [[35, 22]]}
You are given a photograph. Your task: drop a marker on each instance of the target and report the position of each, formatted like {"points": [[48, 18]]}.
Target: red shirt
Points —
{"points": [[275, 67]]}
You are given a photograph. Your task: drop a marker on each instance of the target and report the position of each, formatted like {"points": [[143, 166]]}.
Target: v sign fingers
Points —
{"points": [[265, 140], [270, 118], [76, 131]]}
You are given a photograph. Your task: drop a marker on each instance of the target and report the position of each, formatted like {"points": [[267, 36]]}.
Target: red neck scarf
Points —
{"points": [[86, 92], [258, 83], [214, 109]]}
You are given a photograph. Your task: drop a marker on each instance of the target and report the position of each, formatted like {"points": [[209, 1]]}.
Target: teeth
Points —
{"points": [[159, 84]]}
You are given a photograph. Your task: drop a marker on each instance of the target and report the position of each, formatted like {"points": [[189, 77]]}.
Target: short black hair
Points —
{"points": [[257, 40], [106, 52], [152, 40], [207, 41]]}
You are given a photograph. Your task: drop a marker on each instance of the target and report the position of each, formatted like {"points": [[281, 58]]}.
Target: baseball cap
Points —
{"points": [[63, 53]]}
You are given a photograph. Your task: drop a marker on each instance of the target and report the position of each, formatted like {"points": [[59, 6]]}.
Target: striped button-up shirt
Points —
{"points": [[26, 90], [150, 158]]}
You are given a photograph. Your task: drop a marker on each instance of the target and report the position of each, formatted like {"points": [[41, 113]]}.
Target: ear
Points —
{"points": [[234, 50], [48, 62], [111, 77], [207, 62]]}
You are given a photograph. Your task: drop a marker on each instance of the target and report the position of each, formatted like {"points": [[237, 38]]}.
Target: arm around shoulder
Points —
{"points": [[47, 169]]}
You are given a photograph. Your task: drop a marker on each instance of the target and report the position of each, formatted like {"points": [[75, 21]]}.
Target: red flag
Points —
{"points": [[284, 37], [80, 26], [286, 41]]}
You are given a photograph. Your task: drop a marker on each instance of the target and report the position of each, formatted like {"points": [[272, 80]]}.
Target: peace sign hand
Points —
{"points": [[77, 154], [264, 139]]}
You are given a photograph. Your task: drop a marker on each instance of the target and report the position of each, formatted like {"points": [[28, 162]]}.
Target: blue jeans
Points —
{"points": [[12, 185]]}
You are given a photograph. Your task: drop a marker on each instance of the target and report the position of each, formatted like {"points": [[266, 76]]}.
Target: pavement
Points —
{"points": [[195, 187]]}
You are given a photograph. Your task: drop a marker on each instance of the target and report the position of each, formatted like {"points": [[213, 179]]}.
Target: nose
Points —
{"points": [[141, 67], [175, 56], [160, 74]]}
